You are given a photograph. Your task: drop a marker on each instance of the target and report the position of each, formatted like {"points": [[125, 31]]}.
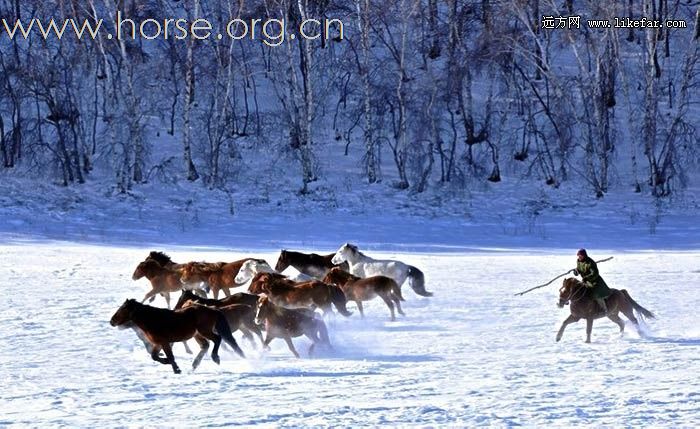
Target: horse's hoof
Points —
{"points": [[177, 371], [558, 339], [588, 341]]}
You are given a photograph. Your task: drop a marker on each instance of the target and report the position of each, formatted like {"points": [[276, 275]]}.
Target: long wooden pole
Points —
{"points": [[557, 277]]}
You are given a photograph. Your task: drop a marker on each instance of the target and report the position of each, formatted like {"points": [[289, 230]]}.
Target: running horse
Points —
{"points": [[164, 279], [312, 294], [583, 306], [312, 264], [161, 327], [358, 290], [287, 323], [238, 308], [218, 276], [363, 266]]}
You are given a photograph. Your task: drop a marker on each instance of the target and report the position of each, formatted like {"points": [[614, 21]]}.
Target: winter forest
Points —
{"points": [[426, 92]]}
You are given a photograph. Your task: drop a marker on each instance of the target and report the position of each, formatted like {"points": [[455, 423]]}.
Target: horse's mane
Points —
{"points": [[206, 267], [574, 281], [160, 257], [356, 249], [336, 271]]}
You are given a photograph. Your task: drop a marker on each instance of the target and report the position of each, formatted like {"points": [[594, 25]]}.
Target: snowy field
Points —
{"points": [[474, 354]]}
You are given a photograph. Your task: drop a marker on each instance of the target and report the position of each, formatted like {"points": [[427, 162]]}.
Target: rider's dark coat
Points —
{"points": [[588, 270]]}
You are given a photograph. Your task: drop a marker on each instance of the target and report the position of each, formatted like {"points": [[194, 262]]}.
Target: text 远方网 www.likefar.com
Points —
{"points": [[551, 22]]}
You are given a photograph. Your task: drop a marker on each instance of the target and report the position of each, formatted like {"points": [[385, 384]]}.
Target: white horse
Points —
{"points": [[252, 267], [363, 266]]}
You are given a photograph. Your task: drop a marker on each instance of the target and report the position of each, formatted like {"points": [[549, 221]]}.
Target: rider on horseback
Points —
{"points": [[588, 270]]}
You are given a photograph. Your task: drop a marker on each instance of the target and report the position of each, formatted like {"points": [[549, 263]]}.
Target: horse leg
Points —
{"points": [[397, 302], [187, 348], [589, 329], [310, 333], [268, 340], [226, 291], [252, 327], [290, 344], [215, 291], [390, 305], [569, 320], [615, 318], [155, 355], [247, 334], [203, 346], [169, 354], [166, 295], [150, 294], [216, 339], [360, 309], [258, 332]]}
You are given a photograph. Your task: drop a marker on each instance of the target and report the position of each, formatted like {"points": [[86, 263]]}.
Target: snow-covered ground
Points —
{"points": [[474, 354]]}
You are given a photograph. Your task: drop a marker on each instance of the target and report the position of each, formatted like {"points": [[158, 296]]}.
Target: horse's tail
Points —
{"points": [[641, 310], [395, 289], [339, 300], [224, 330], [416, 280]]}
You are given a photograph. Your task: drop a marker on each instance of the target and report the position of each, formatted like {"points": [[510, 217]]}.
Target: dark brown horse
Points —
{"points": [[287, 323], [358, 290], [583, 306], [238, 308], [308, 263], [313, 294], [240, 317], [162, 327], [218, 276], [163, 279]]}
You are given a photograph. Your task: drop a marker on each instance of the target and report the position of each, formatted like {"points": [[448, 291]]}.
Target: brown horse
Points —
{"points": [[287, 323], [163, 279], [162, 327], [308, 263], [584, 306], [218, 276], [285, 293], [258, 284], [358, 290]]}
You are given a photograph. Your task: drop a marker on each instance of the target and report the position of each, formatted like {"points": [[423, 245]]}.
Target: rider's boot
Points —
{"points": [[601, 303]]}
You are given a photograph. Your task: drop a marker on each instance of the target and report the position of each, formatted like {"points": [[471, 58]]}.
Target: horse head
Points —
{"points": [[261, 310], [187, 272], [250, 268], [141, 269], [282, 261], [346, 252], [186, 295], [566, 291], [124, 315], [337, 276]]}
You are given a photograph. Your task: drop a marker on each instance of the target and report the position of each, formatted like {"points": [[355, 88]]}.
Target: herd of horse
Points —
{"points": [[282, 301]]}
